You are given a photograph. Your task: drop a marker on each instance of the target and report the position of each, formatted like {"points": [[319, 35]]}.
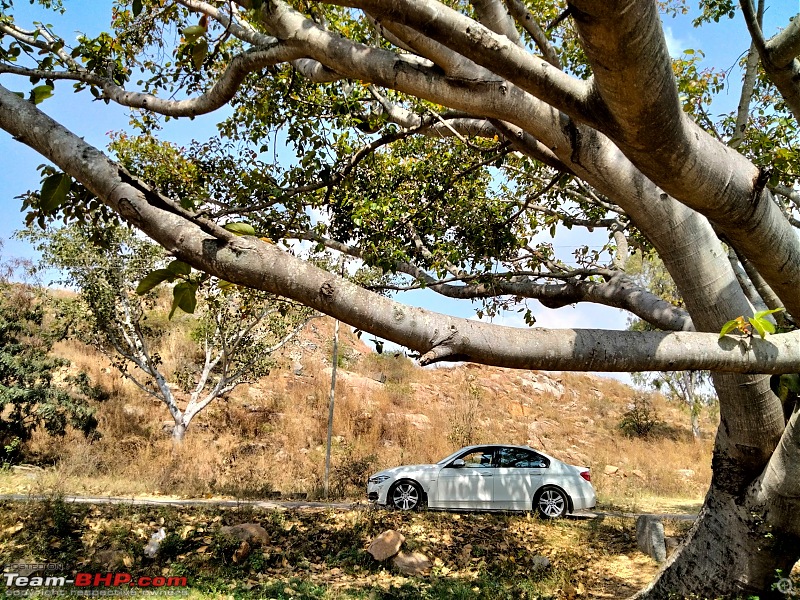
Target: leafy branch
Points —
{"points": [[757, 323]]}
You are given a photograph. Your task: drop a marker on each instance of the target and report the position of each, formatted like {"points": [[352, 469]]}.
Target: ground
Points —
{"points": [[321, 554]]}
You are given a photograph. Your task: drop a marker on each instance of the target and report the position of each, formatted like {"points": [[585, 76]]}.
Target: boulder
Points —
{"points": [[246, 532], [650, 537], [412, 563], [386, 545]]}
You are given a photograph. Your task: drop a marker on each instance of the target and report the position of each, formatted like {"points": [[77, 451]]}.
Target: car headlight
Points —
{"points": [[378, 479]]}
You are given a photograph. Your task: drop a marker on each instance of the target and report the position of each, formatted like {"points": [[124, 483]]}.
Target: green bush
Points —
{"points": [[641, 419]]}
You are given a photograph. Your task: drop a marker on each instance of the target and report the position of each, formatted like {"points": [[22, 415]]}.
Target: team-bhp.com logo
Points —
{"points": [[24, 580]]}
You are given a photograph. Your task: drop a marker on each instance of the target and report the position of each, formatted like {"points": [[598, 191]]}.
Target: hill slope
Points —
{"points": [[270, 435]]}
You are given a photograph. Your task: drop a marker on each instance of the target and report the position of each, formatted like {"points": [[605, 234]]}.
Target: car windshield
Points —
{"points": [[447, 459]]}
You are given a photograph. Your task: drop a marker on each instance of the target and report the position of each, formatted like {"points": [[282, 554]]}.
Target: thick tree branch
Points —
{"points": [[785, 46], [748, 85], [452, 63], [525, 18], [493, 14], [625, 44], [486, 48], [778, 56], [250, 262]]}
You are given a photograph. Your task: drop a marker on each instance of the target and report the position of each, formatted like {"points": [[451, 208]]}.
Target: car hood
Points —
{"points": [[408, 470]]}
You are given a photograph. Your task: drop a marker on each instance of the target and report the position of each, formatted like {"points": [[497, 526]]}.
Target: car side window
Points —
{"points": [[520, 458], [479, 459]]}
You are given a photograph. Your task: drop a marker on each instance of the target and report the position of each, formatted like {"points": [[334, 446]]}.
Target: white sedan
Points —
{"points": [[487, 477]]}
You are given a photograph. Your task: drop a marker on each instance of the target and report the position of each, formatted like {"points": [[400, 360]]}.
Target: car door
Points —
{"points": [[517, 478], [468, 486]]}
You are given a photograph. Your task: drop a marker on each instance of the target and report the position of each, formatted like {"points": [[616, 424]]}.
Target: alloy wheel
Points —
{"points": [[405, 496], [552, 504]]}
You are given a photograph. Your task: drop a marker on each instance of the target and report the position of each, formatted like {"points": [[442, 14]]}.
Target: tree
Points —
{"points": [[30, 397], [683, 386], [440, 140], [236, 329]]}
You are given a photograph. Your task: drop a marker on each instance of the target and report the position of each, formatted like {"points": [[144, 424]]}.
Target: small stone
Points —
{"points": [[112, 558], [241, 553], [412, 563], [246, 532], [650, 537], [610, 470], [386, 545], [671, 544], [540, 563], [638, 474]]}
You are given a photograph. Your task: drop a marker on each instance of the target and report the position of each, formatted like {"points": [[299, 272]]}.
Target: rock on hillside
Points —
{"points": [[315, 344]]}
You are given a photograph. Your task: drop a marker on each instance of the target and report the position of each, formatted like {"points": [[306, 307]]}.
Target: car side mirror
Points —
{"points": [[458, 463]]}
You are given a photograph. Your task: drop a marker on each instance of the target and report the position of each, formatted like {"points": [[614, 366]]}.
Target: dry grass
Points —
{"points": [[271, 435]]}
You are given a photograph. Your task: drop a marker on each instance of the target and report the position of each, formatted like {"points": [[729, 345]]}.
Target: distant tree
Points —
{"points": [[30, 398], [684, 386], [236, 330]]}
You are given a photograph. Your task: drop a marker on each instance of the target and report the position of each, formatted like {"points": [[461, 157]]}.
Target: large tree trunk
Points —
{"points": [[730, 552]]}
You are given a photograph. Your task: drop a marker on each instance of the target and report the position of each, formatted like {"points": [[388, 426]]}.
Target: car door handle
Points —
{"points": [[486, 474]]}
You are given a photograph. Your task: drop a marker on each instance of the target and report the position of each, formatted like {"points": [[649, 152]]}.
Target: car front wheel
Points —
{"points": [[406, 495], [551, 503]]}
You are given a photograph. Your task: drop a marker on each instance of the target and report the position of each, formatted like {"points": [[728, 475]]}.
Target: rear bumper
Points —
{"points": [[584, 499]]}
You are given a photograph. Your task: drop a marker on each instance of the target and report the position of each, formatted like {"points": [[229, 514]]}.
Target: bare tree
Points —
{"points": [[236, 330]]}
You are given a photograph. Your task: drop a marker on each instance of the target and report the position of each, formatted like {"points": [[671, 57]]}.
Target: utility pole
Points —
{"points": [[332, 397]]}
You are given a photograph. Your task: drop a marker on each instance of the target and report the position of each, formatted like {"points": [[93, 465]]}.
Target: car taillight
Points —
{"points": [[587, 475]]}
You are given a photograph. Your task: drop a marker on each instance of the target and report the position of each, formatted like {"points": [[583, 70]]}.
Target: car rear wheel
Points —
{"points": [[405, 495], [551, 503]]}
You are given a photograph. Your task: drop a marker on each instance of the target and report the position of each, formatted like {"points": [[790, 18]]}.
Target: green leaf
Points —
{"points": [[54, 191], [153, 279], [178, 267], [762, 326], [240, 228], [41, 93], [728, 327], [137, 7], [764, 313], [225, 285], [199, 53], [184, 296], [192, 32]]}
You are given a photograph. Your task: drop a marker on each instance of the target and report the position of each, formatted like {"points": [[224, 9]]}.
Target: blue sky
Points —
{"points": [[722, 43]]}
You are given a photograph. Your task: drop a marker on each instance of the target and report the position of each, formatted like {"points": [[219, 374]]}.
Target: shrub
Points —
{"points": [[349, 477], [641, 419]]}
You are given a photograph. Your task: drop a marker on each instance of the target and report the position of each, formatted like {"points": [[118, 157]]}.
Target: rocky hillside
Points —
{"points": [[270, 436]]}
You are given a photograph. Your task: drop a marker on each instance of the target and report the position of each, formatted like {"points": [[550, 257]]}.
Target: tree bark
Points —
{"points": [[729, 552], [178, 433]]}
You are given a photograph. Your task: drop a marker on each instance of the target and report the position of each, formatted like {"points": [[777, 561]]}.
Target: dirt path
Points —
{"points": [[289, 505]]}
